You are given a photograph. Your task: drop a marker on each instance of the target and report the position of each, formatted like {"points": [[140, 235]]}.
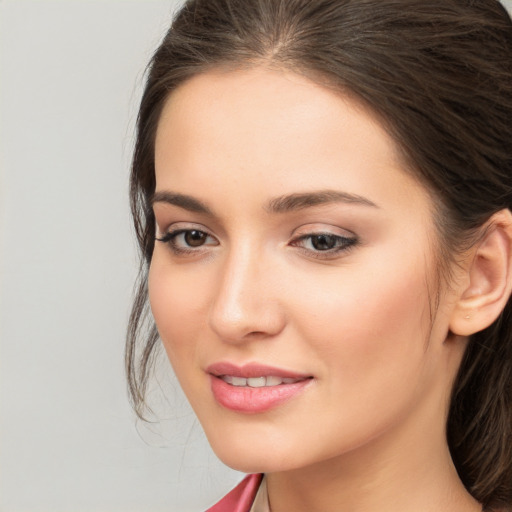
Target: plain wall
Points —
{"points": [[70, 79]]}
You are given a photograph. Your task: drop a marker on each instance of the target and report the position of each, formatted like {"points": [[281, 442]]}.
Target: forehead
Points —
{"points": [[270, 129], [273, 104]]}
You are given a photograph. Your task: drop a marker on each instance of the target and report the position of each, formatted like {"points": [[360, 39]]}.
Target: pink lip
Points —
{"points": [[253, 400]]}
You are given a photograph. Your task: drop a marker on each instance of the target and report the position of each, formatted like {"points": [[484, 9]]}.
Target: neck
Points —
{"points": [[393, 473]]}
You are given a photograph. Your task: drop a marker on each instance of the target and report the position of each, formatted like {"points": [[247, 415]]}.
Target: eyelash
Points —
{"points": [[341, 243], [170, 237]]}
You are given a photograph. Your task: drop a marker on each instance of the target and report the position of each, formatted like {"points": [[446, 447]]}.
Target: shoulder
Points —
{"points": [[240, 499]]}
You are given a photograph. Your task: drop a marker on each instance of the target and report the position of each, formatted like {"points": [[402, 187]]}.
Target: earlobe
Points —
{"points": [[489, 276]]}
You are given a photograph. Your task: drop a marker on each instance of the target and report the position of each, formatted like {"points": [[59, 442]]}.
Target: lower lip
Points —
{"points": [[254, 400]]}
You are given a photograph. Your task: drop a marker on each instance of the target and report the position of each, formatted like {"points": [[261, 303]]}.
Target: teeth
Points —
{"points": [[238, 381], [274, 381], [257, 382]]}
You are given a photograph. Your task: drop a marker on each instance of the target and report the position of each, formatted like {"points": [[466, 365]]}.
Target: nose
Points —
{"points": [[246, 305]]}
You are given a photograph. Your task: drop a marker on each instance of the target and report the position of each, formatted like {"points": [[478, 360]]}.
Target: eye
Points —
{"points": [[194, 238], [187, 240], [324, 244]]}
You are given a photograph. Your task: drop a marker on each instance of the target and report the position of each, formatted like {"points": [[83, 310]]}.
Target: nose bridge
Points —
{"points": [[245, 301]]}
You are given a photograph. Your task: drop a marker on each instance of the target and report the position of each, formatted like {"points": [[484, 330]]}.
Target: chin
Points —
{"points": [[260, 453], [254, 462], [241, 457]]}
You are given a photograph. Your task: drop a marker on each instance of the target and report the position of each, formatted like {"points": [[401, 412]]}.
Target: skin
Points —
{"points": [[368, 432]]}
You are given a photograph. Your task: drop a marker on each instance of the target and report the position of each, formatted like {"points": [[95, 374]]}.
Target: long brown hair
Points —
{"points": [[439, 75]]}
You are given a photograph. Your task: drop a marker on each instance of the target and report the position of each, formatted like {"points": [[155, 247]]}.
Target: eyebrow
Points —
{"points": [[300, 201], [183, 201], [281, 204]]}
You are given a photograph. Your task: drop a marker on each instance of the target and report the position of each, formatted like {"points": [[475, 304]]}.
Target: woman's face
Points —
{"points": [[293, 284]]}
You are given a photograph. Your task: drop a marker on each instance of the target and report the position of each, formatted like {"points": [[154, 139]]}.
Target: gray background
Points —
{"points": [[70, 79]]}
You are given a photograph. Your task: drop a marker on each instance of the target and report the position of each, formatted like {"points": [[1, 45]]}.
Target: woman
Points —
{"points": [[321, 192]]}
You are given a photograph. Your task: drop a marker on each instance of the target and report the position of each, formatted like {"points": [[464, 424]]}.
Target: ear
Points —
{"points": [[489, 275]]}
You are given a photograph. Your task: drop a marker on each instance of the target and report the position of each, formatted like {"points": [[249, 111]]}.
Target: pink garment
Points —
{"points": [[241, 498]]}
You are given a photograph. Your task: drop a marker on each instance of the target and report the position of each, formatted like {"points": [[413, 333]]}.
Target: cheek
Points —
{"points": [[369, 327], [369, 336], [177, 306]]}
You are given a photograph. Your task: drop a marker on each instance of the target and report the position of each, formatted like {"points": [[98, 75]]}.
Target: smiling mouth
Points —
{"points": [[258, 393], [259, 382]]}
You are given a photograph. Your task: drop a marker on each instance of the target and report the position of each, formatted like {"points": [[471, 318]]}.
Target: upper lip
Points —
{"points": [[252, 370]]}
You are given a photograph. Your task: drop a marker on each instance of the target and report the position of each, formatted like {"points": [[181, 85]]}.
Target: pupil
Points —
{"points": [[323, 242], [195, 238]]}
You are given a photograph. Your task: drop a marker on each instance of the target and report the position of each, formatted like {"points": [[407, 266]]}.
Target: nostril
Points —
{"points": [[245, 307], [249, 327]]}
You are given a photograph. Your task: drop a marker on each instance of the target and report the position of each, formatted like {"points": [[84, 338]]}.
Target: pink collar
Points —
{"points": [[241, 498]]}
